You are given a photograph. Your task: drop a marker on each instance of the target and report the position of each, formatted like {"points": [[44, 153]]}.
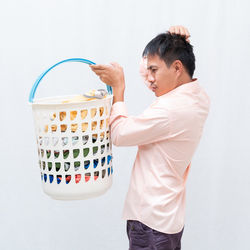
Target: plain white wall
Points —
{"points": [[37, 34]]}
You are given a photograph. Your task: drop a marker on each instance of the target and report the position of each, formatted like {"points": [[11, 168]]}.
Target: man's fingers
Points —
{"points": [[103, 78], [101, 73], [182, 32], [176, 30], [185, 32], [100, 69], [179, 30], [99, 66], [171, 29], [97, 71]]}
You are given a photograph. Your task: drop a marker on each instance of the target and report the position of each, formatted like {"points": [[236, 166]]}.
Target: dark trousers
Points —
{"points": [[142, 237]]}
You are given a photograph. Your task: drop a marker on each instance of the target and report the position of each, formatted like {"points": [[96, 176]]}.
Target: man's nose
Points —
{"points": [[151, 79]]}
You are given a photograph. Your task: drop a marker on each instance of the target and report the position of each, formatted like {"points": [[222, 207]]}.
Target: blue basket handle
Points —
{"points": [[34, 87]]}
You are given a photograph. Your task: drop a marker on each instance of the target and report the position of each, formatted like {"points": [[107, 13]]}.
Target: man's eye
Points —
{"points": [[153, 70]]}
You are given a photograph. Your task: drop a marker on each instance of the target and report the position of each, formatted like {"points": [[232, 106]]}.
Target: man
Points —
{"points": [[167, 134]]}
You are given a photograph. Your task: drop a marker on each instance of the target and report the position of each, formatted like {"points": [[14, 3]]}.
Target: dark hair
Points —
{"points": [[170, 47]]}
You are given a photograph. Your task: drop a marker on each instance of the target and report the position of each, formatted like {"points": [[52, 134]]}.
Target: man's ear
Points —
{"points": [[178, 66]]}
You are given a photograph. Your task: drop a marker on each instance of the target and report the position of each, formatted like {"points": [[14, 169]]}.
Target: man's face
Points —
{"points": [[161, 78]]}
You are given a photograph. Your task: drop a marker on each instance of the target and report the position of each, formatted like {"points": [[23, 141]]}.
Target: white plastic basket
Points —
{"points": [[74, 146]]}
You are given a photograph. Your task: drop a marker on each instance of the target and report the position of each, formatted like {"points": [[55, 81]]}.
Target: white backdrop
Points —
{"points": [[37, 34]]}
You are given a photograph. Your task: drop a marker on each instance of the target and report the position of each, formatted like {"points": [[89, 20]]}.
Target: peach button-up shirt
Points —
{"points": [[167, 134]]}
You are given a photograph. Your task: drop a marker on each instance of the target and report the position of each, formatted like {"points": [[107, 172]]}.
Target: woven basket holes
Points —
{"points": [[62, 115], [102, 148], [65, 154], [55, 140], [101, 111], [67, 179], [85, 139], [75, 140], [65, 141], [86, 164], [49, 166], [59, 179], [78, 178], [84, 114], [95, 150], [96, 175], [74, 127], [48, 153], [73, 115], [53, 128], [103, 173], [46, 141], [84, 127], [101, 124], [77, 165], [95, 162], [102, 135], [93, 125], [52, 116], [66, 166], [87, 177], [93, 112], [76, 153], [94, 138], [85, 152], [63, 127], [103, 161], [56, 154], [58, 166]]}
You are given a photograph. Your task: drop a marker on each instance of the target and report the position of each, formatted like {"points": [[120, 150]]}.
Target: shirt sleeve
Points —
{"points": [[151, 126]]}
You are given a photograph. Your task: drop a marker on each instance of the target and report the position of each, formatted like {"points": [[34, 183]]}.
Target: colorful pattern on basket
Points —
{"points": [[74, 146]]}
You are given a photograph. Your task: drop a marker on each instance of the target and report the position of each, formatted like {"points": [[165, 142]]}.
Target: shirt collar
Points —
{"points": [[187, 85]]}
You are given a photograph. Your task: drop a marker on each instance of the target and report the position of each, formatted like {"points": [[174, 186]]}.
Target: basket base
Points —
{"points": [[78, 197], [76, 191]]}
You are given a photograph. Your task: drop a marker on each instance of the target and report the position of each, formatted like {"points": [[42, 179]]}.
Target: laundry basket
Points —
{"points": [[74, 146]]}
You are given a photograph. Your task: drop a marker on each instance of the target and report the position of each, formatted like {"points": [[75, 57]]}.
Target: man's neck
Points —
{"points": [[183, 80]]}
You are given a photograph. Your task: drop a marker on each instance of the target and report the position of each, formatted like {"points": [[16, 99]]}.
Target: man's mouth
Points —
{"points": [[153, 87]]}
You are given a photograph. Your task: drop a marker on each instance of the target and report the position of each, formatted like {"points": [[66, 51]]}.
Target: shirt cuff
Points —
{"points": [[118, 109]]}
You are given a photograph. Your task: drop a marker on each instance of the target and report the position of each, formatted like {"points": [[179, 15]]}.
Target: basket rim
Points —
{"points": [[57, 100]]}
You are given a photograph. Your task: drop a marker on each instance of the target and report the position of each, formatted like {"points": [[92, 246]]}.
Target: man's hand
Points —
{"points": [[180, 30], [113, 76]]}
